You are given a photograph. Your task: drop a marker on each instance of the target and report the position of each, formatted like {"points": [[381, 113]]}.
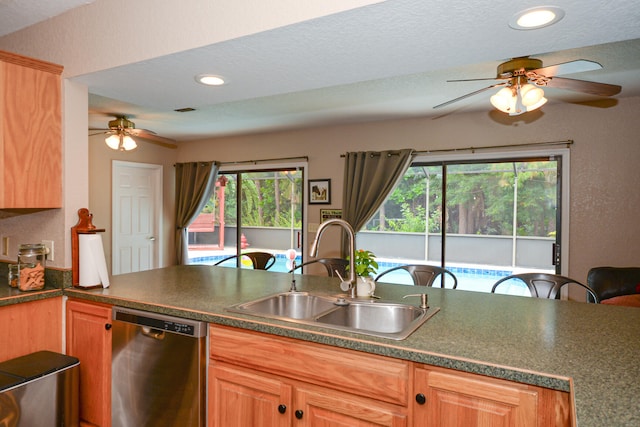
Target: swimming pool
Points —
{"points": [[469, 278]]}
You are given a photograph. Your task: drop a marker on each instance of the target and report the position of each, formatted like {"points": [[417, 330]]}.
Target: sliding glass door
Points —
{"points": [[255, 210], [481, 219]]}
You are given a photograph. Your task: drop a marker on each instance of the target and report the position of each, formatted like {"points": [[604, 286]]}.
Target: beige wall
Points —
{"points": [[101, 158], [604, 196]]}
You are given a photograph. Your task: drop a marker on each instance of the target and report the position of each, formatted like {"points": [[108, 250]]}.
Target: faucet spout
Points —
{"points": [[351, 282]]}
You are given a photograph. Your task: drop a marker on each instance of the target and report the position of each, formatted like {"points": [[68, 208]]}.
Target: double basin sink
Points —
{"points": [[364, 316]]}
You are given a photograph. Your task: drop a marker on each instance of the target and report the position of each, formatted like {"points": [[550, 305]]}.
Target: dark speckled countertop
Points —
{"points": [[592, 350]]}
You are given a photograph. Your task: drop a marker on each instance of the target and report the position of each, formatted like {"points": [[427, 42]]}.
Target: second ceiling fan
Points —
{"points": [[523, 79], [121, 131]]}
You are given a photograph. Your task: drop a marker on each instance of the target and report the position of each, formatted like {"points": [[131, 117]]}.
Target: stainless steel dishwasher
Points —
{"points": [[158, 370]]}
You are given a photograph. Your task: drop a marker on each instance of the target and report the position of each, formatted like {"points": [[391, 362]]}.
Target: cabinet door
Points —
{"points": [[240, 398], [31, 137], [320, 407], [30, 326], [89, 339], [456, 399]]}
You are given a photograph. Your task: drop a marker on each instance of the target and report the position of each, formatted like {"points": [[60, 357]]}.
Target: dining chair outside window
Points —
{"points": [[331, 264], [259, 260], [423, 275], [544, 285]]}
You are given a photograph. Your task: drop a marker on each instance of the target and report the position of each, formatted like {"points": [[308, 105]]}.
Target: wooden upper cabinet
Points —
{"points": [[30, 133]]}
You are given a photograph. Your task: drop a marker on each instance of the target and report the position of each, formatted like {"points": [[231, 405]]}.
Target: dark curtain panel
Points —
{"points": [[369, 177], [195, 183]]}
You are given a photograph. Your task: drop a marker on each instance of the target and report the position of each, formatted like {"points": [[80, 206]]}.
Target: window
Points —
{"points": [[481, 218], [251, 210]]}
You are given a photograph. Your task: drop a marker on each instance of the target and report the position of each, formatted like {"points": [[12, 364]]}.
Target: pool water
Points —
{"points": [[469, 279]]}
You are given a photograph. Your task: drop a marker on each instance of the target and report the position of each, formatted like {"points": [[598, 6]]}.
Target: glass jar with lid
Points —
{"points": [[31, 262], [14, 275]]}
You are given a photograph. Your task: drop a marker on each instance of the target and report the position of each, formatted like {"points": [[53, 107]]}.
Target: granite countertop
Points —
{"points": [[10, 296], [588, 349]]}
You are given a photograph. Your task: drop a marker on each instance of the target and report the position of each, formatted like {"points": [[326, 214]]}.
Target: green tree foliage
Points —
{"points": [[480, 199], [267, 199]]}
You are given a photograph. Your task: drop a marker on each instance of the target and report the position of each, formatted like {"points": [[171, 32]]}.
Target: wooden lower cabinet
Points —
{"points": [[89, 339], [261, 380], [257, 379], [31, 326], [241, 397], [450, 398]]}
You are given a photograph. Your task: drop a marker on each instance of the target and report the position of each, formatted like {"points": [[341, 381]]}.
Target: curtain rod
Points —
{"points": [[567, 142], [305, 158]]}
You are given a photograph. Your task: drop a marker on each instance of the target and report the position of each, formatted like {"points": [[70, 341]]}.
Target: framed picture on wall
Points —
{"points": [[326, 214], [319, 191]]}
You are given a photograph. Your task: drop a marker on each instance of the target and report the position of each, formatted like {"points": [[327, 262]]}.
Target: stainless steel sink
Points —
{"points": [[369, 317], [287, 305], [389, 319]]}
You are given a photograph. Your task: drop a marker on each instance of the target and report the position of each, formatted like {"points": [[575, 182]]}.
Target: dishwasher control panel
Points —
{"points": [[192, 328]]}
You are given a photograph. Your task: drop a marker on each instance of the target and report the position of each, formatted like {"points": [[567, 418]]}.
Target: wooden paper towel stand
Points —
{"points": [[84, 226]]}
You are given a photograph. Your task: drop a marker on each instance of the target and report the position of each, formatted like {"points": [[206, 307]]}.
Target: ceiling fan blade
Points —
{"points": [[152, 137], [477, 80], [593, 88], [577, 66], [469, 94]]}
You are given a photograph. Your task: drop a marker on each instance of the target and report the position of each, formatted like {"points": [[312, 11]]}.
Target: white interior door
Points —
{"points": [[136, 213]]}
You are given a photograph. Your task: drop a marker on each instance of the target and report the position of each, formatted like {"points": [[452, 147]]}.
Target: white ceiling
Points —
{"points": [[382, 61]]}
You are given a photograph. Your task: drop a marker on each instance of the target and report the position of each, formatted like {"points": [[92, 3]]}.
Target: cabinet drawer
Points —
{"points": [[351, 371]]}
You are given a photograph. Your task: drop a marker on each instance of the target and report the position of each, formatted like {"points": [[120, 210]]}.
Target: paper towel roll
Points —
{"points": [[92, 262]]}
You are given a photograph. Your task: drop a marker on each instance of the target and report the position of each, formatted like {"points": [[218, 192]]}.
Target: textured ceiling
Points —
{"points": [[18, 14], [386, 60]]}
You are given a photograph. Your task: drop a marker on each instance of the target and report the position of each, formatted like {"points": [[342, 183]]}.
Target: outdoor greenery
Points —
{"points": [[268, 199], [480, 200]]}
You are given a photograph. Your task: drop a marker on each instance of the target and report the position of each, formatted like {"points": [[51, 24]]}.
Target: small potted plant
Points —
{"points": [[366, 267]]}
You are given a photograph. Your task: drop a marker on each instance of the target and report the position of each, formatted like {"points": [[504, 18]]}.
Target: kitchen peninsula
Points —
{"points": [[589, 352]]}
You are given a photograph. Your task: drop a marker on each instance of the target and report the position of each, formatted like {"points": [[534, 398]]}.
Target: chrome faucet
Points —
{"points": [[345, 285]]}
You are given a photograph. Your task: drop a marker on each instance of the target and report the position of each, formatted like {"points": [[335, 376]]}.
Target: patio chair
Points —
{"points": [[331, 264], [423, 275], [259, 260], [544, 285]]}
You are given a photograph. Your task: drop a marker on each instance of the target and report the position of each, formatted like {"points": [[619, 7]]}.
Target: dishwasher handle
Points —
{"points": [[156, 334]]}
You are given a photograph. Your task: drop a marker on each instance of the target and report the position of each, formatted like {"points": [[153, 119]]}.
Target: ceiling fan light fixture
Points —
{"points": [[537, 105], [515, 99], [536, 17], [209, 80], [113, 141], [531, 94], [504, 100], [128, 143], [120, 142]]}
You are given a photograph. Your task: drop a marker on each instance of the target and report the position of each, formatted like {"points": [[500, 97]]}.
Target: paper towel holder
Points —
{"points": [[84, 226]]}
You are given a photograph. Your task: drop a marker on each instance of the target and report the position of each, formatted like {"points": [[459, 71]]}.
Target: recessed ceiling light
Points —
{"points": [[536, 17], [209, 79]]}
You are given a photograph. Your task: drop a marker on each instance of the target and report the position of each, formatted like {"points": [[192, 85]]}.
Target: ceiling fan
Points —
{"points": [[524, 77], [121, 132]]}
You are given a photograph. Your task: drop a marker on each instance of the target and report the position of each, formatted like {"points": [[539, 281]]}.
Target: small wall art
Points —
{"points": [[319, 191]]}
